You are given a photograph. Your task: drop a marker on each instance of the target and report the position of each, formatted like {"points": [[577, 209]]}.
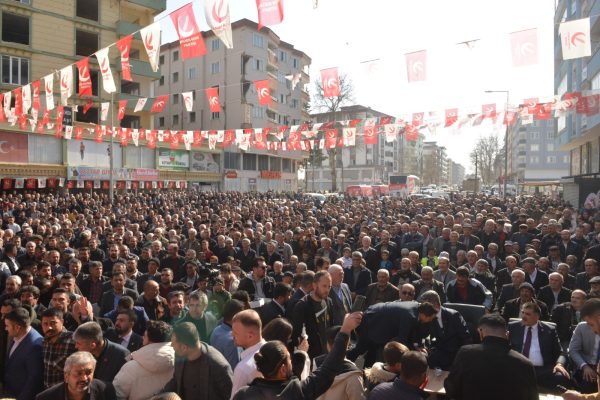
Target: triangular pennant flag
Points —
{"points": [[108, 83], [124, 45], [349, 136], [66, 84], [104, 111], [139, 105], [159, 104], [49, 88], [188, 100], [151, 39], [122, 108], [26, 98]]}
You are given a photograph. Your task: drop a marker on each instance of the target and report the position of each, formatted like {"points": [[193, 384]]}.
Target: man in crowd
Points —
{"points": [[58, 345]]}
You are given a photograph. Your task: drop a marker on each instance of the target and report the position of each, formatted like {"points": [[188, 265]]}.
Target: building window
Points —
{"points": [[249, 162], [535, 135], [176, 99], [87, 9], [550, 146], [161, 60], [214, 67], [131, 121], [231, 160], [161, 121], [283, 56], [258, 41], [295, 63], [294, 103], [86, 43], [175, 119], [15, 28], [91, 116], [192, 73], [275, 164], [193, 116], [132, 88], [161, 81], [263, 162], [534, 159], [175, 77], [176, 55], [534, 147], [551, 159], [215, 44], [15, 70], [258, 64], [215, 115], [258, 112], [286, 165]]}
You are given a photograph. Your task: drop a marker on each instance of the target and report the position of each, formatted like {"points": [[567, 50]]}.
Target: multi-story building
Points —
{"points": [[435, 164], [534, 160], [577, 134], [43, 36], [363, 164], [257, 55], [456, 173]]}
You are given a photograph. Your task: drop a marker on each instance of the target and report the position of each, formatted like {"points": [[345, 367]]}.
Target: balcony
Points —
{"points": [[157, 5], [141, 68], [272, 58], [125, 28]]}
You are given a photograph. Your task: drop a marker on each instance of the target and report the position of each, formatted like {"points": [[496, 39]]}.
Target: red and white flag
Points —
{"points": [[151, 39], [411, 133], [510, 117], [349, 135], [451, 117], [35, 106], [122, 107], [124, 45], [139, 106], [104, 111], [488, 111], [331, 136], [575, 39], [592, 104], [18, 102], [108, 83], [531, 105], [212, 95], [26, 93], [391, 132], [417, 119], [49, 87], [370, 131], [218, 19], [330, 82], [190, 38], [159, 103], [263, 92], [188, 100], [270, 12], [416, 66], [85, 80], [66, 84], [524, 47], [260, 139]]}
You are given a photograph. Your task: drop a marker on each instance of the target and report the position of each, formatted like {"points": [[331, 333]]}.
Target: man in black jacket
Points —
{"points": [[314, 313], [79, 381], [110, 357], [542, 348], [109, 299], [276, 307], [359, 277], [491, 370], [566, 316], [258, 284], [554, 293]]}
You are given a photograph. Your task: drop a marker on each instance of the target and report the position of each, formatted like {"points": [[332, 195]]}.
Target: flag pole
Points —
{"points": [[111, 189]]}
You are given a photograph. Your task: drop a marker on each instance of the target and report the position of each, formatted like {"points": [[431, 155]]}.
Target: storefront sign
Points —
{"points": [[204, 162], [121, 174], [178, 160], [270, 174], [231, 174]]}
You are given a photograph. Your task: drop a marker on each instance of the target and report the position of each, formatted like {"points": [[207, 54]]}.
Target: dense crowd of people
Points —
{"points": [[227, 295]]}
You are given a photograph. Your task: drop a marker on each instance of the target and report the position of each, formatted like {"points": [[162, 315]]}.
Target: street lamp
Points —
{"points": [[505, 138]]}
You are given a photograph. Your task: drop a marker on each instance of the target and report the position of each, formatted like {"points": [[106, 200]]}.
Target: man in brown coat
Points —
{"points": [[381, 291]]}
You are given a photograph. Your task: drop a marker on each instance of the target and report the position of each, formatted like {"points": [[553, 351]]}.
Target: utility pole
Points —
{"points": [[111, 189]]}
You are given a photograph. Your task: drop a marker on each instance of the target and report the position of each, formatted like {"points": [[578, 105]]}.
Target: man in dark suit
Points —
{"points": [[123, 333], [449, 330], [340, 295], [276, 307], [554, 293], [246, 255], [542, 348], [533, 275], [512, 308], [469, 240], [582, 280], [428, 283], [78, 379], [566, 316], [568, 247], [258, 284], [369, 255], [304, 288], [453, 246], [358, 278], [92, 287], [24, 368], [381, 291], [387, 244], [111, 298], [482, 371], [510, 290], [110, 356], [9, 257]]}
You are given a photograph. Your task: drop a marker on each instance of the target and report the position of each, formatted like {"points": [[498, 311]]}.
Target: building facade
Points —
{"points": [[257, 55], [42, 36], [363, 164], [534, 158], [456, 174], [577, 134], [435, 164]]}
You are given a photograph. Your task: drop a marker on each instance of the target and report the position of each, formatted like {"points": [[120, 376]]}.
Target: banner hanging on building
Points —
{"points": [[190, 38], [218, 19]]}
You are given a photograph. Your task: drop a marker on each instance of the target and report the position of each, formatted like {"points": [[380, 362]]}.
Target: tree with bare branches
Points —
{"points": [[332, 105], [490, 157]]}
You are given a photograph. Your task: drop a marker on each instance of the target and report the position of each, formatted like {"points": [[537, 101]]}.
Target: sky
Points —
{"points": [[347, 33]]}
